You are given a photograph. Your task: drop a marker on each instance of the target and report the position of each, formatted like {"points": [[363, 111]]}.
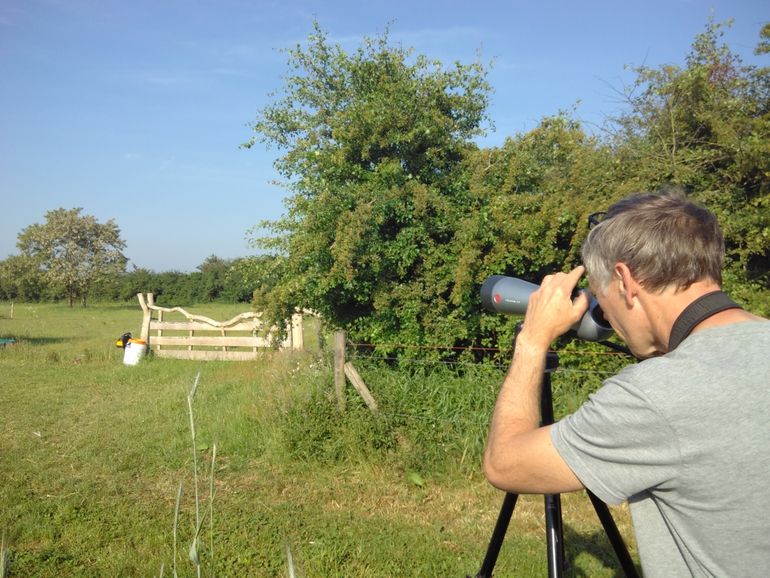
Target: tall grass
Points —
{"points": [[3, 557], [93, 453], [432, 420], [193, 551]]}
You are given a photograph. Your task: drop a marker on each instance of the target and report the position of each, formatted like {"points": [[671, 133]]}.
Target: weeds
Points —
{"points": [[193, 551], [176, 525], [429, 420], [4, 557], [193, 547]]}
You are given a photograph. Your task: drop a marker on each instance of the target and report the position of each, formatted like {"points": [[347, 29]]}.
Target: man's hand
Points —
{"points": [[519, 456], [551, 311]]}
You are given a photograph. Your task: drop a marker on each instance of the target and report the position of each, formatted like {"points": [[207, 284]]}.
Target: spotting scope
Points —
{"points": [[510, 295]]}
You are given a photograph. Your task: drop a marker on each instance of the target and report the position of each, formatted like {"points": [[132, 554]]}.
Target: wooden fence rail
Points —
{"points": [[198, 337]]}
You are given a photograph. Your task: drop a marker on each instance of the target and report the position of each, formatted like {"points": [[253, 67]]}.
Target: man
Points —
{"points": [[684, 435]]}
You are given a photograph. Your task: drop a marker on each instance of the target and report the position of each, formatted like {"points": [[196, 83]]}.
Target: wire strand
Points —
{"points": [[386, 346]]}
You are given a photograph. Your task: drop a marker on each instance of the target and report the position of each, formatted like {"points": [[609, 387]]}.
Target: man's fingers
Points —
{"points": [[582, 301], [566, 281], [576, 274]]}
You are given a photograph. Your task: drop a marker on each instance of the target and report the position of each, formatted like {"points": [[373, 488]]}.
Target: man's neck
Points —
{"points": [[675, 302], [665, 307]]}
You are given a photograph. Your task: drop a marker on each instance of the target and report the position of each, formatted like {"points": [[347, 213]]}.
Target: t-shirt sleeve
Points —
{"points": [[618, 443]]}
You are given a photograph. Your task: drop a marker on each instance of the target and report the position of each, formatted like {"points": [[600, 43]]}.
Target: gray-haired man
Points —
{"points": [[684, 435]]}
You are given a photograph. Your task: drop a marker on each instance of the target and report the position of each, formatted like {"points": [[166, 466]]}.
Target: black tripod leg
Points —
{"points": [[498, 535], [553, 518], [554, 535], [611, 529], [554, 529]]}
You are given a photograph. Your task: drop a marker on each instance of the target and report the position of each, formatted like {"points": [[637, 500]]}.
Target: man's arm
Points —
{"points": [[519, 456]]}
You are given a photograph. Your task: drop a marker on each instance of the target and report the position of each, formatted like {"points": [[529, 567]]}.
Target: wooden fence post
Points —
{"points": [[358, 383], [146, 317], [339, 368], [297, 337]]}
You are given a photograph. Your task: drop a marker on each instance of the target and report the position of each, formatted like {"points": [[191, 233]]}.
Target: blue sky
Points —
{"points": [[135, 110]]}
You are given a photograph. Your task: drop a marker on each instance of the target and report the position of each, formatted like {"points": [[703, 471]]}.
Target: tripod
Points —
{"points": [[553, 517]]}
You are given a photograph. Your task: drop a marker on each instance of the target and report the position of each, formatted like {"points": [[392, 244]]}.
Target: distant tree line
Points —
{"points": [[216, 279], [73, 256]]}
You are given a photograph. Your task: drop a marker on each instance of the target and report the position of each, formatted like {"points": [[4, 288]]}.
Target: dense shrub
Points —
{"points": [[395, 217]]}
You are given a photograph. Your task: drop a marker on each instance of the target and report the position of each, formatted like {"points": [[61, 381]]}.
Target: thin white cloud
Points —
{"points": [[441, 35], [232, 72], [161, 78], [416, 37]]}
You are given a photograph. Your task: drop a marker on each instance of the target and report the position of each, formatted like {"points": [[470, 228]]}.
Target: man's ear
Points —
{"points": [[626, 282]]}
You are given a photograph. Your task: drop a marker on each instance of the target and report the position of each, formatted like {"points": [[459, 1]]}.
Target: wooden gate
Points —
{"points": [[174, 332]]}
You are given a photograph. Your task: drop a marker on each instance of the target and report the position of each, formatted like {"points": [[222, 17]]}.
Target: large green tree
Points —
{"points": [[74, 252], [374, 143], [706, 128], [395, 217]]}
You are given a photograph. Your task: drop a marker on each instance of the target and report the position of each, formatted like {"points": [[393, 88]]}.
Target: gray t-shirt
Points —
{"points": [[685, 438]]}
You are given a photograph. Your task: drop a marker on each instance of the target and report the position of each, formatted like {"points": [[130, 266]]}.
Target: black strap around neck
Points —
{"points": [[700, 309]]}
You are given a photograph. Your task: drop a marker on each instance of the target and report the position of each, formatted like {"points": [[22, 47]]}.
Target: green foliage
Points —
{"points": [[764, 45], [21, 280], [73, 256], [90, 469], [325, 435], [374, 146], [429, 419], [706, 128], [216, 280], [264, 274], [72, 252], [396, 218], [531, 200]]}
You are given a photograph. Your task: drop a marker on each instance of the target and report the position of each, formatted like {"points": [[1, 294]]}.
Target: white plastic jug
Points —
{"points": [[134, 351]]}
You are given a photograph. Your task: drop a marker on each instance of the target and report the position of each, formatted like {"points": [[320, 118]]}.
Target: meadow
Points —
{"points": [[93, 454]]}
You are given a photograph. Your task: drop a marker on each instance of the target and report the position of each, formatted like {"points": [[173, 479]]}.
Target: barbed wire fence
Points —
{"points": [[580, 369]]}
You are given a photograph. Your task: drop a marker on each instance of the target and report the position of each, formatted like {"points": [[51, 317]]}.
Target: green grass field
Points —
{"points": [[92, 453]]}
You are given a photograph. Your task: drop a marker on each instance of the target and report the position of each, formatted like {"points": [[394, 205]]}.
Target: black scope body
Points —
{"points": [[510, 295]]}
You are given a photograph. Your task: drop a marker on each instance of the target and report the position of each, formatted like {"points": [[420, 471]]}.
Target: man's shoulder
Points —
{"points": [[711, 354], [734, 338]]}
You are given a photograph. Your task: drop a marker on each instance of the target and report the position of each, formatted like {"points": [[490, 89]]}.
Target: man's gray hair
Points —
{"points": [[664, 239]]}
